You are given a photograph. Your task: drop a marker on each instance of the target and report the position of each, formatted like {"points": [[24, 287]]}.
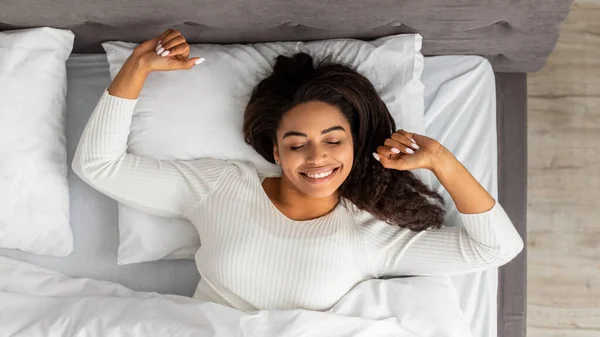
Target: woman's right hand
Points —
{"points": [[175, 49]]}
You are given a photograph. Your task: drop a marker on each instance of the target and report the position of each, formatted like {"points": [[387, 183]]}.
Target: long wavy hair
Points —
{"points": [[396, 197]]}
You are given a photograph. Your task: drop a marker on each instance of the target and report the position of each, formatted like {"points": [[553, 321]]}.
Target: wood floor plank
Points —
{"points": [[579, 318], [545, 216], [553, 332]]}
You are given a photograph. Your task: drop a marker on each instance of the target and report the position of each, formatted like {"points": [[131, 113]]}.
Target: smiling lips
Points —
{"points": [[320, 176]]}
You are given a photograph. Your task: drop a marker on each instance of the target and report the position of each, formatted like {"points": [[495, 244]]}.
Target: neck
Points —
{"points": [[300, 207]]}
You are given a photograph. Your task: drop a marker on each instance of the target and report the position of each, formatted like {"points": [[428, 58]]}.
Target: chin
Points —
{"points": [[321, 194]]}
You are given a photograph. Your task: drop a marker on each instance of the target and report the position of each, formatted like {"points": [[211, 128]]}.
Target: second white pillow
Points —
{"points": [[34, 191], [199, 113]]}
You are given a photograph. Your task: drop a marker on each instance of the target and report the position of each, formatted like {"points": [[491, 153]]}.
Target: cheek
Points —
{"points": [[291, 158], [345, 154]]}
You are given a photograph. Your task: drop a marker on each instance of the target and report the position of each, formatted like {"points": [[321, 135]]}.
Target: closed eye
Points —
{"points": [[296, 148]]}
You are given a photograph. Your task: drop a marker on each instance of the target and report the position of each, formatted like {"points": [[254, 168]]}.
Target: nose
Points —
{"points": [[316, 155]]}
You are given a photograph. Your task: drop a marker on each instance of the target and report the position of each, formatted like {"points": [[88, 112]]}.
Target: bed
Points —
{"points": [[515, 37]]}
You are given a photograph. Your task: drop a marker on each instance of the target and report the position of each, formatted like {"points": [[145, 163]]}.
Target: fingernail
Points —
{"points": [[157, 47], [395, 150], [415, 146], [376, 156], [159, 42], [165, 53], [198, 61], [158, 52], [412, 140], [409, 150]]}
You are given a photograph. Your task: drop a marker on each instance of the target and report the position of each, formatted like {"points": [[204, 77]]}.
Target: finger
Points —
{"points": [[164, 48], [404, 140], [383, 157], [401, 137], [386, 152], [387, 158], [190, 63], [157, 41], [398, 147], [409, 135], [170, 36], [182, 49], [174, 42], [395, 161], [167, 36], [405, 133], [416, 138]]}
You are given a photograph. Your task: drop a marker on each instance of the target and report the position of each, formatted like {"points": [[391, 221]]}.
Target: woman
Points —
{"points": [[345, 209]]}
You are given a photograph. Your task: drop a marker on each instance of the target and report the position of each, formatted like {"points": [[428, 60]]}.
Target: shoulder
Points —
{"points": [[219, 166], [246, 167], [230, 168]]}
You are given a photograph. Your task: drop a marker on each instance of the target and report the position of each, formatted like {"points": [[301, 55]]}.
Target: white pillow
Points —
{"points": [[199, 113], [34, 195]]}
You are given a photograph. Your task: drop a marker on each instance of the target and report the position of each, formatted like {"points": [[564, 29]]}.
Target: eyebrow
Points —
{"points": [[296, 133]]}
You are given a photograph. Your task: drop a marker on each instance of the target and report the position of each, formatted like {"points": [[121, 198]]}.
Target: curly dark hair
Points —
{"points": [[396, 197]]}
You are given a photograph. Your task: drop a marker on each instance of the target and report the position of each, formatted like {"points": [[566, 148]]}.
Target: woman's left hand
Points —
{"points": [[408, 151]]}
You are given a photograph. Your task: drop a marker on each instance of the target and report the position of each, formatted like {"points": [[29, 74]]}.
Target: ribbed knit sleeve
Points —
{"points": [[159, 187], [478, 242]]}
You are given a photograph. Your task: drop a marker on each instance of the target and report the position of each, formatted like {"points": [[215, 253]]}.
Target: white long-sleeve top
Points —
{"points": [[251, 255]]}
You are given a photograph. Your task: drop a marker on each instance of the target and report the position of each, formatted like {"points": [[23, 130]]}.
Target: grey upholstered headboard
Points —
{"points": [[515, 35]]}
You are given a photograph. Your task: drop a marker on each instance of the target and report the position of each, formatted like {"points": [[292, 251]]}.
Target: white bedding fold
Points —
{"points": [[40, 302]]}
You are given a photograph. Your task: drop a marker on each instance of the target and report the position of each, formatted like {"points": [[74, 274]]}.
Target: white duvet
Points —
{"points": [[40, 302]]}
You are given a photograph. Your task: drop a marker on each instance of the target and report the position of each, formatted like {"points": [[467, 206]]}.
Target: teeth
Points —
{"points": [[320, 175]]}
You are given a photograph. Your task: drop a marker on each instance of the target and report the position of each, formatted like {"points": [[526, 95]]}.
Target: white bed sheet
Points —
{"points": [[460, 112], [38, 302]]}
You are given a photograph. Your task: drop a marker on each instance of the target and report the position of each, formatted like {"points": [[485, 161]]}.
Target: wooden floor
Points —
{"points": [[564, 183]]}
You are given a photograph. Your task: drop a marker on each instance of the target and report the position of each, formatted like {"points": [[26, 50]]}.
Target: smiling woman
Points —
{"points": [[336, 217], [322, 124]]}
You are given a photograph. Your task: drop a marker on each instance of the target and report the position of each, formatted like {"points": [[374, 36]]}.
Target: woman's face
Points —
{"points": [[314, 148]]}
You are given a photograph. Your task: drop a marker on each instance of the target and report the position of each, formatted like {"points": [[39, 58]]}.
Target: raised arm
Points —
{"points": [[484, 236], [167, 188], [476, 242]]}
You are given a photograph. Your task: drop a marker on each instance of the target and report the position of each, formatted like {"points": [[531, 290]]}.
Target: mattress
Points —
{"points": [[460, 112]]}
